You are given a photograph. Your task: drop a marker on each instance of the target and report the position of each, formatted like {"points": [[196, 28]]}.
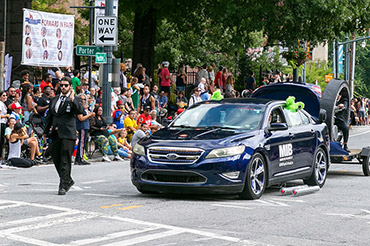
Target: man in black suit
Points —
{"points": [[61, 128]]}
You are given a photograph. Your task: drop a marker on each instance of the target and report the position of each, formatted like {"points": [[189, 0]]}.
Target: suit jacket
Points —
{"points": [[63, 123]]}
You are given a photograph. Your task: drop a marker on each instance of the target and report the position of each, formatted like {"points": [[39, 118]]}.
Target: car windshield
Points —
{"points": [[228, 116]]}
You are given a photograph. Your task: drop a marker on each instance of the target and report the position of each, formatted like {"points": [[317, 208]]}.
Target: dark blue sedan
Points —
{"points": [[232, 146]]}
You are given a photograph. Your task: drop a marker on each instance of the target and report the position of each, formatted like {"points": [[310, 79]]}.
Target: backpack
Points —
{"points": [[20, 162]]}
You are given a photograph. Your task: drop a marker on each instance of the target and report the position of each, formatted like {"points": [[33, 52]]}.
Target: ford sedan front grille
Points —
{"points": [[174, 155]]}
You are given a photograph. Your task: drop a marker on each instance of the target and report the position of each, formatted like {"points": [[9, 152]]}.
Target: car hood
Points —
{"points": [[198, 138]]}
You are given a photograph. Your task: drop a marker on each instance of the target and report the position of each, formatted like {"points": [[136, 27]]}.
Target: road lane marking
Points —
{"points": [[109, 237], [342, 215], [111, 206], [130, 207], [11, 206], [75, 187], [147, 238], [89, 215], [230, 206], [288, 200], [94, 182], [28, 240], [188, 230], [38, 218], [81, 217], [359, 134], [102, 195]]}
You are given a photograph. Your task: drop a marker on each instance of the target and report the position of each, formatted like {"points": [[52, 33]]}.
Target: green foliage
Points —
{"points": [[42, 5], [317, 71], [81, 30], [362, 70]]}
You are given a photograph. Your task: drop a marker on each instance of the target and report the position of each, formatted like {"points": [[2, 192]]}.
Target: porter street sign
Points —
{"points": [[82, 50]]}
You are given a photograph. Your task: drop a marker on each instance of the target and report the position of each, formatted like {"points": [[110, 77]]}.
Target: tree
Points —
{"points": [[281, 21]]}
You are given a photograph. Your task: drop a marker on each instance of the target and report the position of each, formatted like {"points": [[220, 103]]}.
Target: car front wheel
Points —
{"points": [[255, 181], [320, 169]]}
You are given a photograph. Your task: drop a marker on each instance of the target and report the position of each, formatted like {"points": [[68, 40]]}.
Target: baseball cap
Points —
{"points": [[15, 106], [119, 102], [147, 107]]}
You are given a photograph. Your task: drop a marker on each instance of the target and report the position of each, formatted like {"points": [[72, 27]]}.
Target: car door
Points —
{"points": [[303, 140], [278, 143]]}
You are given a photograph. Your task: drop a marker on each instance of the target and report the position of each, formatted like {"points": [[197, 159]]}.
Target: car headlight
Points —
{"points": [[139, 149], [225, 152]]}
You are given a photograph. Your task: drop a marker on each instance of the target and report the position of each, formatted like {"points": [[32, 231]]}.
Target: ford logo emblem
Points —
{"points": [[172, 156]]}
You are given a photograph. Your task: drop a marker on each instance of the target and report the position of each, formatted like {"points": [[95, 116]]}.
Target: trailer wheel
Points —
{"points": [[366, 166]]}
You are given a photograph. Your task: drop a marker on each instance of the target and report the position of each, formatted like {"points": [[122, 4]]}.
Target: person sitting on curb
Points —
{"points": [[131, 125], [103, 135], [140, 134]]}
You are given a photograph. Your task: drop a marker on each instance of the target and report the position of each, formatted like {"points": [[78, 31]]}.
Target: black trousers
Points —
{"points": [[2, 139], [61, 151], [343, 126]]}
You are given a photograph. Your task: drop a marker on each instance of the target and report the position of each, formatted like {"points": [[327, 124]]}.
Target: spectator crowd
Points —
{"points": [[139, 107]]}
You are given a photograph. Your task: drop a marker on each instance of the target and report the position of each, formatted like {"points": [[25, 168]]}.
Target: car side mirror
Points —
{"points": [[277, 127], [322, 115]]}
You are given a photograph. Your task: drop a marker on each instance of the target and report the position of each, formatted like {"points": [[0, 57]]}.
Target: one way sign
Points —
{"points": [[106, 30]]}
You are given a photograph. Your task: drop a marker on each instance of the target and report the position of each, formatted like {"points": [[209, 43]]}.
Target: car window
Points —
{"points": [[276, 116], [235, 116], [305, 118], [294, 118]]}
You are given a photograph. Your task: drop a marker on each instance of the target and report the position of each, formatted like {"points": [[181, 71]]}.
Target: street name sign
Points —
{"points": [[101, 58], [106, 30], [82, 50]]}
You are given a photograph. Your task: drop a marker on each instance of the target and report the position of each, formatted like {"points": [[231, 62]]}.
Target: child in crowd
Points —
{"points": [[113, 131], [17, 112], [123, 140], [11, 122]]}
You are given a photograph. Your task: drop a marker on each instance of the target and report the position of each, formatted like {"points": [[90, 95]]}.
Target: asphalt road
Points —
{"points": [[104, 208]]}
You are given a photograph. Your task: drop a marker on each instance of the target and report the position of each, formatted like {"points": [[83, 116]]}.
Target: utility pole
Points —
{"points": [[349, 69], [91, 21], [2, 48], [107, 71]]}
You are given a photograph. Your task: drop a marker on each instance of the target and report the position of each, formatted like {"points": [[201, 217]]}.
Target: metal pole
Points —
{"points": [[336, 59], [4, 19], [2, 48], [346, 60], [352, 81], [107, 71], [90, 38]]}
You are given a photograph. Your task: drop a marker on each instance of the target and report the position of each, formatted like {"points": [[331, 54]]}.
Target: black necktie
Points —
{"points": [[62, 99]]}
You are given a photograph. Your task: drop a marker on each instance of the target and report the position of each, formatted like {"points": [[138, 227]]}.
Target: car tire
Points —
{"points": [[320, 169], [255, 180], [366, 166]]}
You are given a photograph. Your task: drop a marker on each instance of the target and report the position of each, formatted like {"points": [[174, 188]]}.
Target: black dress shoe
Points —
{"points": [[345, 147], [62, 191], [69, 186], [85, 163]]}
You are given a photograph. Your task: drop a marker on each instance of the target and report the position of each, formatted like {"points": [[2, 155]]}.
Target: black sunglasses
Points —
{"points": [[64, 85]]}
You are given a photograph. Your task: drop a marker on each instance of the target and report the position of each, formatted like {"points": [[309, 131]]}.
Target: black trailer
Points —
{"points": [[318, 104]]}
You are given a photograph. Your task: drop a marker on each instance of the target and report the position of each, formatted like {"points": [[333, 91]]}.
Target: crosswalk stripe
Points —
{"points": [[146, 238], [10, 206], [38, 218], [28, 240], [109, 237]]}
